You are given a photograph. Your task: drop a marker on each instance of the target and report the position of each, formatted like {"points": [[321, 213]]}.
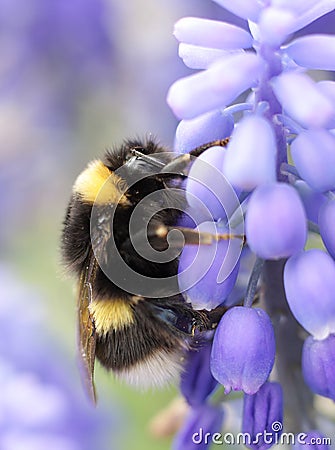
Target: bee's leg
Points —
{"points": [[218, 143], [184, 318], [214, 316], [188, 236], [204, 320], [162, 237], [180, 317]]}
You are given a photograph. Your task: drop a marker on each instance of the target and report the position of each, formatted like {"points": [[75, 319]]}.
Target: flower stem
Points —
{"points": [[289, 170], [253, 281], [238, 108], [298, 399]]}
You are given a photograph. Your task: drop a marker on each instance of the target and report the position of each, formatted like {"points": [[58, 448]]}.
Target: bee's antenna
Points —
{"points": [[148, 159]]}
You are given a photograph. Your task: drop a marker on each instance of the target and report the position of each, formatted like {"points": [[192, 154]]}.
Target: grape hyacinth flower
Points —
{"points": [[318, 365], [197, 381], [201, 425], [326, 220], [263, 412], [311, 298], [312, 200], [202, 270], [253, 87], [243, 349], [266, 238]]}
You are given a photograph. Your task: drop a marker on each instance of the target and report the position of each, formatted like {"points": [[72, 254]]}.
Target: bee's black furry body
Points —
{"points": [[134, 335]]}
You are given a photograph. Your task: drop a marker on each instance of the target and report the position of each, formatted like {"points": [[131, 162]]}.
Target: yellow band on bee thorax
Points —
{"points": [[97, 184]]}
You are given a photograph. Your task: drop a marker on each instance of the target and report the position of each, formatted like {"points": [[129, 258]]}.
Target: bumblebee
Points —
{"points": [[138, 331]]}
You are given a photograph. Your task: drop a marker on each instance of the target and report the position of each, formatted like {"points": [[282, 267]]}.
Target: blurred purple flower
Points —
{"points": [[261, 146], [263, 413], [313, 440], [318, 365], [205, 128], [211, 34], [309, 279], [212, 196], [197, 381], [41, 407], [208, 193], [290, 89], [195, 95], [199, 428], [243, 349], [314, 157], [56, 52], [201, 93], [312, 200], [327, 224]]}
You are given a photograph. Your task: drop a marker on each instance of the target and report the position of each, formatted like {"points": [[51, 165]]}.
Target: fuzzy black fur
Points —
{"points": [[161, 323]]}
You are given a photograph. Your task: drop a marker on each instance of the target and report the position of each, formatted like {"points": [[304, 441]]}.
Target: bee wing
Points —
{"points": [[86, 328], [100, 234]]}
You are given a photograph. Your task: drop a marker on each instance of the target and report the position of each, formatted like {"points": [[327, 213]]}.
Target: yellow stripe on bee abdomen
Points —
{"points": [[111, 314]]}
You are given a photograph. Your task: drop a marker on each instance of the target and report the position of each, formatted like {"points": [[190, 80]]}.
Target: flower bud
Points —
{"points": [[304, 101], [252, 140], [197, 381], [309, 280], [276, 221], [318, 365], [327, 225], [314, 157], [208, 192], [313, 52], [312, 200], [215, 87], [199, 429], [208, 272], [211, 33], [243, 349], [208, 127], [263, 416]]}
